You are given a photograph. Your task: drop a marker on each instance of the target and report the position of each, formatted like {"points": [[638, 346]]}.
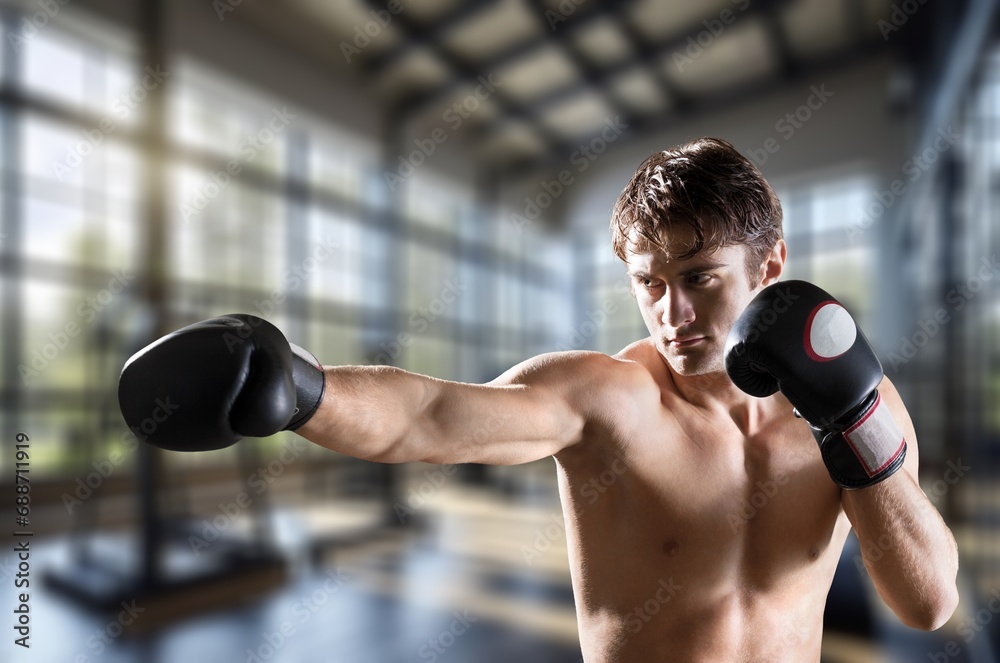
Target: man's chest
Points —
{"points": [[702, 498]]}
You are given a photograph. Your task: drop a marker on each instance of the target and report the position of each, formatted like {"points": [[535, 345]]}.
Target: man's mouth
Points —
{"points": [[686, 341]]}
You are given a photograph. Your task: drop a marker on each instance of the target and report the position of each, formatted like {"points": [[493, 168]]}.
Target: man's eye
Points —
{"points": [[699, 279]]}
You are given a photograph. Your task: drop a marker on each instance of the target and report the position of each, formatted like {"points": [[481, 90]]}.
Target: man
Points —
{"points": [[700, 231]]}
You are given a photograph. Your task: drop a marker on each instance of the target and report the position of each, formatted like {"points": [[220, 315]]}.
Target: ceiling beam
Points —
{"points": [[583, 16], [590, 75], [780, 44], [465, 72], [428, 34], [648, 56], [854, 54]]}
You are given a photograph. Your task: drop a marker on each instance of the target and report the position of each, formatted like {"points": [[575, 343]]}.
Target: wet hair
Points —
{"points": [[707, 187]]}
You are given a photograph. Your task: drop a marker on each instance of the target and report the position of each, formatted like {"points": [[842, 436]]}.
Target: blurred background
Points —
{"points": [[428, 185]]}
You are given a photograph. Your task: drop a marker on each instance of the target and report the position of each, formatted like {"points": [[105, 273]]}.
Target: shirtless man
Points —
{"points": [[700, 231]]}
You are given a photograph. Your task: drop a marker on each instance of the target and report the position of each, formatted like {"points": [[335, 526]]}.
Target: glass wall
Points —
{"points": [[270, 211]]}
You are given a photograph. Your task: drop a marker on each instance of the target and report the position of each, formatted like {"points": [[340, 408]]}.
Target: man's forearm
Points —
{"points": [[908, 550], [367, 411], [389, 415]]}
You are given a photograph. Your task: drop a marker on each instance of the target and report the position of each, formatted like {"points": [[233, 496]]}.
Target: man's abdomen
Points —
{"points": [[705, 627]]}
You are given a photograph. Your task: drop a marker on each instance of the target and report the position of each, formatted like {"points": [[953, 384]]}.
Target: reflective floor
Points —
{"points": [[458, 589]]}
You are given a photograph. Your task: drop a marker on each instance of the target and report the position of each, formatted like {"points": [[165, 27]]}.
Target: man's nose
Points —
{"points": [[677, 309]]}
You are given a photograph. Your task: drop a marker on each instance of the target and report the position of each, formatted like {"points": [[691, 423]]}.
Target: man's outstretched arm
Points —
{"points": [[387, 414], [907, 548], [208, 385]]}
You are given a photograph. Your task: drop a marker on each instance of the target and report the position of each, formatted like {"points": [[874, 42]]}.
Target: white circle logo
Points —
{"points": [[830, 331]]}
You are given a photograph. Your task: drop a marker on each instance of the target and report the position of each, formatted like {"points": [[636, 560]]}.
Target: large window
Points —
{"points": [[826, 244], [269, 210], [976, 243], [68, 230]]}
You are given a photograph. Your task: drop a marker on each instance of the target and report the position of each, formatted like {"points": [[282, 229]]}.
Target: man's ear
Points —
{"points": [[774, 264]]}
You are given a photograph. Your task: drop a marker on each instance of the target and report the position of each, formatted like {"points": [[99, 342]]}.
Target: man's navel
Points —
{"points": [[670, 547]]}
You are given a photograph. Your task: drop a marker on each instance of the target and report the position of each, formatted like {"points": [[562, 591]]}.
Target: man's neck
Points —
{"points": [[716, 392]]}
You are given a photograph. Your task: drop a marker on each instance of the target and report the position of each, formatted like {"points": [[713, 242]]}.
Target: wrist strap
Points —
{"points": [[875, 437], [310, 383]]}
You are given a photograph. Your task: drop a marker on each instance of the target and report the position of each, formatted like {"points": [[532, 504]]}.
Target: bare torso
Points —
{"points": [[691, 539]]}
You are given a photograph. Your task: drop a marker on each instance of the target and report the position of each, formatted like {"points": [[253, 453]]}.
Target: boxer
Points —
{"points": [[748, 432]]}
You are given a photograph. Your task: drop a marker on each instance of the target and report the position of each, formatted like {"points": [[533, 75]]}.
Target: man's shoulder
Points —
{"points": [[628, 374], [642, 351], [583, 370]]}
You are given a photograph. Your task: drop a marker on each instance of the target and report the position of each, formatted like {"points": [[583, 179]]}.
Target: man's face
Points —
{"points": [[690, 305]]}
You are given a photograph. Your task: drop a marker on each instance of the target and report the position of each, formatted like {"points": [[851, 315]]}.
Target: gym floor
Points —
{"points": [[474, 576]]}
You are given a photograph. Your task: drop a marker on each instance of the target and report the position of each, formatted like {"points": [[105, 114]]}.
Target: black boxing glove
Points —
{"points": [[208, 385], [795, 337]]}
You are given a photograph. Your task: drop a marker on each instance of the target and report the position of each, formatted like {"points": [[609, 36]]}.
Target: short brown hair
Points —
{"points": [[707, 186]]}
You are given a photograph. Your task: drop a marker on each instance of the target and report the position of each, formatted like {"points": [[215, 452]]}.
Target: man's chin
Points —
{"points": [[690, 364], [688, 369]]}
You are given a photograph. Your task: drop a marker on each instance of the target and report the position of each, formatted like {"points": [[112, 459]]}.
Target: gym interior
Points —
{"points": [[427, 185]]}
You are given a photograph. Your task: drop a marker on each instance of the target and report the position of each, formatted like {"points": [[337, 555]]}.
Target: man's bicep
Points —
{"points": [[525, 414]]}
